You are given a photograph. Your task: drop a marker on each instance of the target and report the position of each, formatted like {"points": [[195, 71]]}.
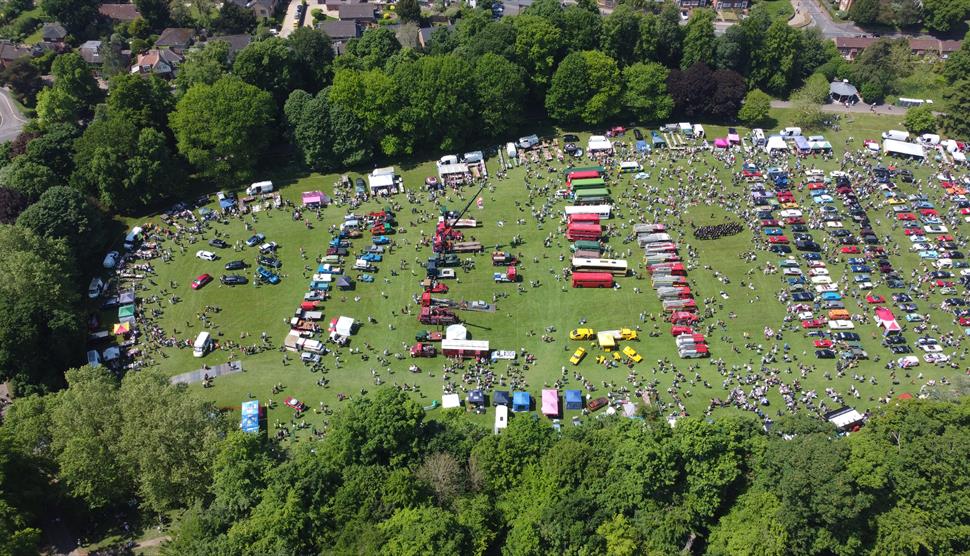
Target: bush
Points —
{"points": [[920, 119]]}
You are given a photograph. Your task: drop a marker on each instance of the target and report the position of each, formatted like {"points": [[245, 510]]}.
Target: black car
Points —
{"points": [[825, 354], [941, 274], [802, 296], [218, 243], [894, 340], [906, 176], [901, 350], [638, 134], [846, 336], [780, 249], [570, 138], [233, 279], [799, 228], [235, 265], [808, 246], [902, 297], [896, 284], [270, 262]]}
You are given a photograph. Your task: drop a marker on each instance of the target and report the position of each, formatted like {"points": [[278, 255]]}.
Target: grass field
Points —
{"points": [[247, 309]]}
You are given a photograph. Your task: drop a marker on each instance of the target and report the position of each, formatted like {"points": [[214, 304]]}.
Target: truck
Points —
{"points": [[585, 245], [466, 247], [423, 350], [592, 280], [501, 258], [437, 315], [509, 275]]}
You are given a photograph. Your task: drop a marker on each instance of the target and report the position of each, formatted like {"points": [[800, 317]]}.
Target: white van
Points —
{"points": [[758, 137], [203, 342], [133, 238], [698, 130], [791, 132], [929, 139], [896, 135], [510, 150], [95, 288], [630, 166], [259, 188], [94, 358]]}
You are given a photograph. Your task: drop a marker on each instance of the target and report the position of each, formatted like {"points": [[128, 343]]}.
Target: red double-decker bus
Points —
{"points": [[592, 280], [583, 231], [584, 218]]}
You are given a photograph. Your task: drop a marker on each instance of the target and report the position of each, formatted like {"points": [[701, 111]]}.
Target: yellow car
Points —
{"points": [[632, 354], [895, 201], [582, 334], [578, 356], [789, 205], [628, 334]]}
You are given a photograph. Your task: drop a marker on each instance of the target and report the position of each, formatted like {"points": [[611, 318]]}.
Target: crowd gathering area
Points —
{"points": [[565, 276]]}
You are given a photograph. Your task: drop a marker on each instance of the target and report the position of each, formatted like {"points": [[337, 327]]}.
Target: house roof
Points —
{"points": [[175, 36], [53, 31], [155, 56], [10, 52], [91, 52], [120, 12], [924, 44], [236, 42], [950, 46], [341, 30], [842, 89], [853, 42], [356, 11]]}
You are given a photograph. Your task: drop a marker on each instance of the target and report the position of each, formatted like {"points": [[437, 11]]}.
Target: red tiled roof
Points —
{"points": [[120, 12]]}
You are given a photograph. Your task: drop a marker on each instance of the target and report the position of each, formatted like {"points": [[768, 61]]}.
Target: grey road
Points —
{"points": [[11, 120], [830, 29]]}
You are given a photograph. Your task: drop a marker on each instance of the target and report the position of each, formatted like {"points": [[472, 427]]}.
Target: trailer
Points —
{"points": [[437, 315], [465, 349], [466, 247], [423, 350], [501, 258], [649, 228]]}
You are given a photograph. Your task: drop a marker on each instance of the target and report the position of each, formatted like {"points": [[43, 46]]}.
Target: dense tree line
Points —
{"points": [[385, 479]]}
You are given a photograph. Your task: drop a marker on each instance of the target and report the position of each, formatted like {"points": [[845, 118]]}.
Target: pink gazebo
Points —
{"points": [[887, 320], [550, 402], [721, 143], [312, 198]]}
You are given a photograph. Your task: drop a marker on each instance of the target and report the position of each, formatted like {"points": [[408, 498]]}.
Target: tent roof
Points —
{"points": [[521, 397], [449, 401], [599, 143], [776, 143], [573, 396], [893, 146], [501, 397], [842, 89]]}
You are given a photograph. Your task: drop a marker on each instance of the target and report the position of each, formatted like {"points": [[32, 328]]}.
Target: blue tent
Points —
{"points": [[574, 399], [501, 397], [250, 416], [521, 401], [476, 397], [227, 203], [642, 146]]}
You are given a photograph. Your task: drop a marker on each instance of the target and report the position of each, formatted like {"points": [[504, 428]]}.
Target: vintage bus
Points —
{"points": [[583, 231], [592, 280], [616, 267], [587, 183], [592, 196], [584, 218], [603, 211]]}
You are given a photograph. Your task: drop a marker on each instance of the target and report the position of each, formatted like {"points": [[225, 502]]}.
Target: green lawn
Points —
{"points": [[253, 310], [779, 9]]}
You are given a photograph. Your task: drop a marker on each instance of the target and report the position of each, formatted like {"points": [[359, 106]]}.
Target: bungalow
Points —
{"points": [[361, 13], [262, 8], [160, 62], [119, 12], [90, 51], [850, 47], [340, 32], [54, 33], [236, 42], [178, 39]]}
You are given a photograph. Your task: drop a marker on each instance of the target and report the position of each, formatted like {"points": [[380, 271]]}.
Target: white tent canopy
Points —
{"points": [[776, 143], [902, 148], [456, 332], [599, 143], [344, 326]]}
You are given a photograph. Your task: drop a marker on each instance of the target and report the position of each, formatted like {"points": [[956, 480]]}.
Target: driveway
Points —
{"points": [[11, 120], [290, 20]]}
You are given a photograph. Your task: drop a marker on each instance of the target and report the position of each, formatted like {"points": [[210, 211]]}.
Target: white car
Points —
{"points": [[823, 280], [206, 255], [834, 224], [936, 358], [931, 348], [908, 361], [503, 354], [818, 271], [865, 285], [111, 259], [841, 325], [823, 288], [935, 229], [790, 213]]}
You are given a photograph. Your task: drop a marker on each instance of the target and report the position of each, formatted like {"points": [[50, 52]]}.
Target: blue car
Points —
{"points": [[812, 257], [380, 240], [856, 260], [267, 276], [831, 296], [255, 240], [371, 257], [773, 231], [337, 242], [860, 268], [796, 281]]}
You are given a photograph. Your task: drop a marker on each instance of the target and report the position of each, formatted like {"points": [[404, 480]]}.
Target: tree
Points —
{"points": [[62, 213], [669, 35], [620, 34], [75, 15], [114, 61], [864, 12], [645, 95], [203, 66], [223, 128], [155, 12], [440, 101], [73, 95], [699, 39], [622, 538], [445, 475], [88, 463], [944, 15], [55, 149], [23, 78], [586, 87], [377, 430], [310, 127], [808, 115], [270, 65], [757, 105], [691, 89], [145, 102], [234, 19], [536, 48], [18, 537], [956, 120], [239, 473], [12, 203], [423, 530], [815, 89], [409, 11], [957, 66], [753, 526], [728, 94], [28, 177], [313, 55], [878, 68], [370, 51], [500, 93], [581, 28], [920, 119], [774, 67]]}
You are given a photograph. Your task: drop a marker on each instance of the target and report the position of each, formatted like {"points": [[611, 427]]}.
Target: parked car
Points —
{"points": [[218, 243], [111, 259], [255, 240], [270, 262], [206, 255], [233, 279], [200, 281], [236, 265]]}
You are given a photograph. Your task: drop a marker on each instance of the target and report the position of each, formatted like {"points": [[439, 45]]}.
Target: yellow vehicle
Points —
{"points": [[895, 201], [628, 334], [582, 334], [632, 354], [617, 356], [789, 205], [578, 356]]}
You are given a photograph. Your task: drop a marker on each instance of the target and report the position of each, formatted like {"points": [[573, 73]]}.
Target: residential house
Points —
{"points": [[340, 32], [850, 47], [158, 61], [53, 33], [236, 42], [361, 13], [424, 34], [732, 4], [91, 52], [10, 52], [949, 47], [178, 39], [694, 3], [119, 12], [262, 8]]}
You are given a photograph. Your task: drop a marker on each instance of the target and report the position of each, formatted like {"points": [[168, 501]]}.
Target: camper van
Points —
{"points": [[94, 358], [789, 132], [510, 150], [133, 238], [698, 131], [758, 137], [259, 188], [95, 287], [630, 166], [895, 134], [202, 345]]}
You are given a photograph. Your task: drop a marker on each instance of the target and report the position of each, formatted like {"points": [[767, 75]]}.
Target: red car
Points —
{"points": [[964, 321], [824, 344], [871, 298], [815, 185], [850, 250], [771, 224], [794, 220], [944, 238], [777, 239], [295, 404], [201, 281], [679, 330], [438, 287], [906, 216], [813, 323]]}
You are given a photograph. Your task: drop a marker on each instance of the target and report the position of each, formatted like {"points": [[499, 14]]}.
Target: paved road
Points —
{"points": [[11, 120], [823, 20], [859, 108], [290, 20]]}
